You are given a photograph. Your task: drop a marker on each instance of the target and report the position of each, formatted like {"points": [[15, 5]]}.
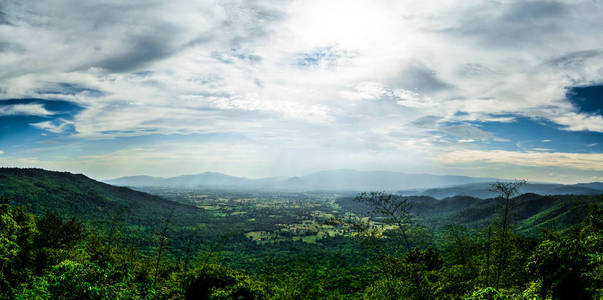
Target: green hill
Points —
{"points": [[97, 204], [532, 212]]}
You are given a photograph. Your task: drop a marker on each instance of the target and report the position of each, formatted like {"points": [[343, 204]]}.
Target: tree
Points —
{"points": [[458, 244], [74, 280], [414, 266], [163, 238], [488, 245], [396, 210], [506, 203], [571, 267], [17, 232], [218, 282], [55, 240]]}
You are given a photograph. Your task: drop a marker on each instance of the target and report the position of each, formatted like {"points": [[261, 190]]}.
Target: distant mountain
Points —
{"points": [[139, 181], [591, 185], [334, 180], [375, 180], [482, 190], [207, 179]]}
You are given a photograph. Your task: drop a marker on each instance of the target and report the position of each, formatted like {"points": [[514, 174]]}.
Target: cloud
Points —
{"points": [[68, 89], [374, 90], [3, 16], [366, 90], [418, 77], [140, 52], [579, 122], [581, 161], [575, 60], [371, 75], [426, 121], [24, 109], [516, 23], [60, 126], [468, 133], [411, 99], [321, 57]]}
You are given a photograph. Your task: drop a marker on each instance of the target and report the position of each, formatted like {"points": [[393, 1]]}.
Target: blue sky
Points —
{"points": [[509, 89]]}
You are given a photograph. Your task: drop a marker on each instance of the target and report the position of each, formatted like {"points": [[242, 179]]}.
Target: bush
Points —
{"points": [[219, 282], [72, 280]]}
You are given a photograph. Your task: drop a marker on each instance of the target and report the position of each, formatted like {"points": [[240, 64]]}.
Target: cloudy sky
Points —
{"points": [[508, 89]]}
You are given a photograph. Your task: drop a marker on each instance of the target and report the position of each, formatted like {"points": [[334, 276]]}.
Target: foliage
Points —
{"points": [[72, 280], [219, 282], [17, 234], [123, 244], [506, 191], [488, 293], [571, 267]]}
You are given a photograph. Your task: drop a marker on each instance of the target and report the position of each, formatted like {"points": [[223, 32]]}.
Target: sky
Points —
{"points": [[506, 89]]}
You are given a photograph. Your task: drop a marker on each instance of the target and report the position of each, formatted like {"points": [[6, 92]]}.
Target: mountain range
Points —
{"points": [[437, 186], [333, 180], [99, 204], [482, 190]]}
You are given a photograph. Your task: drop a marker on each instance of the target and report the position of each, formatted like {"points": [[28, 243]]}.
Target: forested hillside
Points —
{"points": [[66, 236], [532, 212], [98, 205]]}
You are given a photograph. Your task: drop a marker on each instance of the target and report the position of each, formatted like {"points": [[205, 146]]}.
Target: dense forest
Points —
{"points": [[65, 236]]}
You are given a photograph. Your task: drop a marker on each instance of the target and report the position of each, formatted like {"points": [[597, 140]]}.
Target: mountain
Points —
{"points": [[375, 180], [591, 185], [437, 186], [334, 180], [95, 203], [139, 180], [482, 190], [207, 179]]}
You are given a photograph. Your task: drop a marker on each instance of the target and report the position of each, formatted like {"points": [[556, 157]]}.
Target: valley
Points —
{"points": [[269, 234]]}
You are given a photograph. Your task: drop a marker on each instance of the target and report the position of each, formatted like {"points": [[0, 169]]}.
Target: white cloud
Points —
{"points": [[24, 109], [367, 90], [582, 161], [370, 90], [542, 149], [55, 126], [580, 122], [412, 99]]}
